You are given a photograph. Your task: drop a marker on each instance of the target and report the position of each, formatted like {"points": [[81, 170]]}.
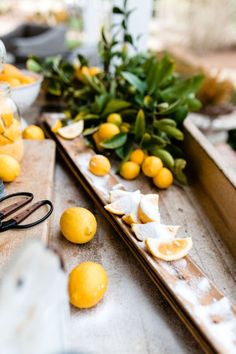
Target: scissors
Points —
{"points": [[14, 223]]}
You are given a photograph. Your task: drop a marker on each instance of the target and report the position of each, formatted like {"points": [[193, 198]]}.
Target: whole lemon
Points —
{"points": [[151, 166], [114, 118], [99, 165], [163, 179], [33, 132], [87, 284], [78, 225], [9, 168], [108, 130], [129, 170], [137, 156]]}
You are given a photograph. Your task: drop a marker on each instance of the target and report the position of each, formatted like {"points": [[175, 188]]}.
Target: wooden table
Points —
{"points": [[133, 317]]}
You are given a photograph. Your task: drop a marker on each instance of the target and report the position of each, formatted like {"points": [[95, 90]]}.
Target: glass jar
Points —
{"points": [[11, 142]]}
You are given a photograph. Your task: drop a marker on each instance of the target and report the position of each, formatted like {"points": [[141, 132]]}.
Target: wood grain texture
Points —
{"points": [[37, 170], [218, 181], [158, 270]]}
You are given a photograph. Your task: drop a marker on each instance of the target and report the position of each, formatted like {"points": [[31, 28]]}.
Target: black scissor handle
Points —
{"points": [[28, 197], [24, 214], [14, 222]]}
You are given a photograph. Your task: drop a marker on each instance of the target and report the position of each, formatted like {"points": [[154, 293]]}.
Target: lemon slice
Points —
{"points": [[127, 204], [56, 126], [118, 193], [154, 230], [131, 219], [2, 127], [169, 251], [71, 131], [148, 208]]}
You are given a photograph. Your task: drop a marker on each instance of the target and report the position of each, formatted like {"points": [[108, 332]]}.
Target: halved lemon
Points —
{"points": [[56, 126], [149, 208], [71, 131], [169, 251], [131, 219], [154, 230], [118, 193], [128, 204]]}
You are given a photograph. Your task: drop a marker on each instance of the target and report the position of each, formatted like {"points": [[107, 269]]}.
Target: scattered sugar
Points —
{"points": [[217, 317], [181, 263], [168, 267], [117, 187]]}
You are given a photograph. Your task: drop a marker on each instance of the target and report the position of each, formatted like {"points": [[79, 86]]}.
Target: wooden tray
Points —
{"points": [[206, 312], [37, 170]]}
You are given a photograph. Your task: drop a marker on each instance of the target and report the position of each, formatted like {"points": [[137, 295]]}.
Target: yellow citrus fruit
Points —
{"points": [[99, 165], [94, 70], [129, 170], [81, 73], [9, 168], [137, 156], [151, 166], [78, 225], [163, 179], [114, 118], [169, 250], [107, 131], [33, 132], [125, 127], [56, 126], [87, 284]]}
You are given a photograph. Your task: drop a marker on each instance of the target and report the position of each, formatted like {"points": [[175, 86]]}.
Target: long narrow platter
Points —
{"points": [[206, 312]]}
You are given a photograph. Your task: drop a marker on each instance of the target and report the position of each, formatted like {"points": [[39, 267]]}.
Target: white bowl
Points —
{"points": [[25, 95]]}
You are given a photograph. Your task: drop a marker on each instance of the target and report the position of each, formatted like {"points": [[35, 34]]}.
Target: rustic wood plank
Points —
{"points": [[218, 181], [174, 276], [37, 170]]}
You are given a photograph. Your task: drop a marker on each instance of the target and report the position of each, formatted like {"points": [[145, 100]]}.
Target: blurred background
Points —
{"points": [[200, 34]]}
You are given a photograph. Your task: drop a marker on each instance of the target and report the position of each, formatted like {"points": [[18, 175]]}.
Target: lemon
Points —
{"points": [[127, 203], [137, 156], [71, 131], [151, 166], [114, 118], [125, 127], [149, 208], [33, 132], [87, 284], [129, 170], [56, 126], [9, 168], [163, 179], [94, 70], [78, 225], [169, 251], [155, 230], [107, 131], [99, 165]]}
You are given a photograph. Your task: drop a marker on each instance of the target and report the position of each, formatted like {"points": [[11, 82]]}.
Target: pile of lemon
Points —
{"points": [[15, 77], [87, 281], [9, 133], [151, 166]]}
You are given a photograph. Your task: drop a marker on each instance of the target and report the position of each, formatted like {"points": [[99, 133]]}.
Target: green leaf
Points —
{"points": [[89, 131], [124, 152], [33, 65], [162, 122], [154, 141], [182, 88], [139, 126], [172, 131], [117, 10], [54, 88], [179, 166], [165, 156], [134, 81], [170, 109], [115, 142], [115, 105]]}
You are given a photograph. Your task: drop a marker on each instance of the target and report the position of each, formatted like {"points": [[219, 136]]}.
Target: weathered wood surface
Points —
{"points": [[37, 170], [34, 307], [172, 274]]}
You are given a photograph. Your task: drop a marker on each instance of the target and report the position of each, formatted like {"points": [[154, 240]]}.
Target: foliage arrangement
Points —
{"points": [[152, 99]]}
